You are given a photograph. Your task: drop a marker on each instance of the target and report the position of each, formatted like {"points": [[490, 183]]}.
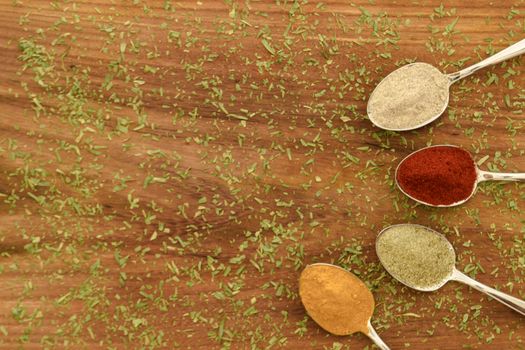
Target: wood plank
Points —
{"points": [[165, 175]]}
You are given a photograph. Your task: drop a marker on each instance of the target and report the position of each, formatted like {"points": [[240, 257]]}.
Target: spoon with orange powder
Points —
{"points": [[338, 301], [444, 176]]}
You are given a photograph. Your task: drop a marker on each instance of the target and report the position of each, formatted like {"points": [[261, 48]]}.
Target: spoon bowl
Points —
{"points": [[428, 288], [480, 176], [443, 89], [358, 307], [453, 274], [456, 203]]}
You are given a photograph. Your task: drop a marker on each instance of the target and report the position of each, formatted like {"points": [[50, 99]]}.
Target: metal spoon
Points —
{"points": [[505, 54], [304, 285], [455, 275], [482, 176]]}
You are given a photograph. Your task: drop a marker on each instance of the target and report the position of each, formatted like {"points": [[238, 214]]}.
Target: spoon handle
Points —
{"points": [[508, 300], [375, 338], [505, 54], [488, 175]]}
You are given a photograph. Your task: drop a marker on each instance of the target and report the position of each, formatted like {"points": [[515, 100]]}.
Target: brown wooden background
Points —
{"points": [[175, 206]]}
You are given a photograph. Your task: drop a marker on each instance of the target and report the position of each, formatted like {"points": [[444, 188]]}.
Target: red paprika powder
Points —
{"points": [[438, 175]]}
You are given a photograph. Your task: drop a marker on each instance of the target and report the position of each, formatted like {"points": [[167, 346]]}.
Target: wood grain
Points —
{"points": [[247, 162]]}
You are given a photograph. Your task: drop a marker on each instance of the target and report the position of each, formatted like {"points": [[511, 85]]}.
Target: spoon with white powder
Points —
{"points": [[418, 93]]}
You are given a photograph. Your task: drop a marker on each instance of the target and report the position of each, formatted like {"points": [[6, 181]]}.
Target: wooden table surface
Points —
{"points": [[167, 168]]}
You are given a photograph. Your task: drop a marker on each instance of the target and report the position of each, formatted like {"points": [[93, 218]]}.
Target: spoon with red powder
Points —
{"points": [[444, 176]]}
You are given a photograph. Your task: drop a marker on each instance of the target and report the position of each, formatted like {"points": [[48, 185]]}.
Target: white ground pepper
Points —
{"points": [[409, 97], [415, 255]]}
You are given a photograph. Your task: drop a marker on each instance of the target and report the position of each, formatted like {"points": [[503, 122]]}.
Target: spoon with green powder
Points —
{"points": [[424, 259], [418, 93]]}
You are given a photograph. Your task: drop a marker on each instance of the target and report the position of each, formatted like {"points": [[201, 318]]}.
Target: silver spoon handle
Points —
{"points": [[508, 300], [375, 338], [488, 175], [505, 54]]}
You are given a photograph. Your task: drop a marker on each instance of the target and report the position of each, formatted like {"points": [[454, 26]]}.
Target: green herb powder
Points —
{"points": [[416, 256]]}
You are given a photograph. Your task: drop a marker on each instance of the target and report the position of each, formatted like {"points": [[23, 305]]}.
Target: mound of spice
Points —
{"points": [[336, 299], [416, 256], [409, 97], [438, 175]]}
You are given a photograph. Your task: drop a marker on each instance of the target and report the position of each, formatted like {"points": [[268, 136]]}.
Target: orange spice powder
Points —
{"points": [[336, 299]]}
